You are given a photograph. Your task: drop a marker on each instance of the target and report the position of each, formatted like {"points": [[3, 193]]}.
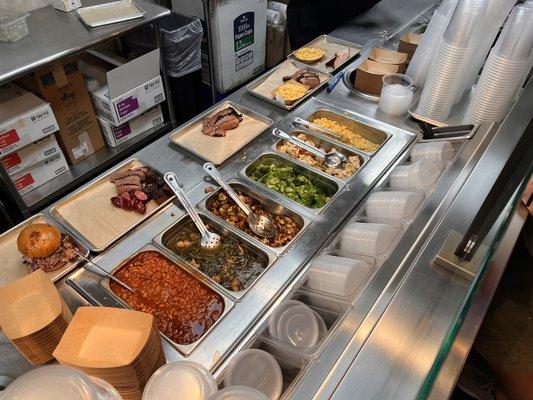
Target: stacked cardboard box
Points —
{"points": [[28, 149]]}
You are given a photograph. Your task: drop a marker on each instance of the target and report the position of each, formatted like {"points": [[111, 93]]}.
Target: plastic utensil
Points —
{"points": [[210, 240], [259, 224], [257, 369], [332, 159], [180, 380]]}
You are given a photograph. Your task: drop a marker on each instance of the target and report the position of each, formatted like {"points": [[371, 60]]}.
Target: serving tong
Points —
{"points": [[259, 224], [332, 159], [209, 240], [431, 132], [310, 125]]}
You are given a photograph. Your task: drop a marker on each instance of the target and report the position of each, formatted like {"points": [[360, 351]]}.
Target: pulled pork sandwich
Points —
{"points": [[44, 247]]}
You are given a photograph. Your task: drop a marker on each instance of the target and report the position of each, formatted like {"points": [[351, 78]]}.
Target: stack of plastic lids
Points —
{"points": [[504, 71], [451, 60], [55, 382], [497, 11], [421, 62]]}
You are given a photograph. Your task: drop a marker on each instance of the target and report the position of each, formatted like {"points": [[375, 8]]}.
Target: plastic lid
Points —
{"points": [[298, 326], [257, 369], [56, 382], [273, 321], [180, 380], [239, 393]]}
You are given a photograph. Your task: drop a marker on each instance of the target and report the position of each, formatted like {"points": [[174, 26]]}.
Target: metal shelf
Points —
{"points": [[87, 169], [55, 34]]}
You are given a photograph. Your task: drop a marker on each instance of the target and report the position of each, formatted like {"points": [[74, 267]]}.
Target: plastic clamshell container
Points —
{"points": [[13, 26]]}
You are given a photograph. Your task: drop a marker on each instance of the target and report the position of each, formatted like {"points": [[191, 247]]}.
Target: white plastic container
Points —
{"points": [[420, 174], [13, 26], [396, 94], [180, 380], [55, 382], [239, 393], [300, 326], [256, 369], [367, 237], [436, 151], [393, 204]]}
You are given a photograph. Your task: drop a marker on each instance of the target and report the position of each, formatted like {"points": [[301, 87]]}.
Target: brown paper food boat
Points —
{"points": [[369, 76]]}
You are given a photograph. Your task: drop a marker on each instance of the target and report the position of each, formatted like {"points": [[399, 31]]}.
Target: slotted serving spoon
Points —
{"points": [[259, 224], [332, 159], [310, 125], [210, 240]]}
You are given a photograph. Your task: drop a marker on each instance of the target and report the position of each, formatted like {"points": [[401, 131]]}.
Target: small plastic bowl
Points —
{"points": [[256, 369], [300, 326], [180, 380]]}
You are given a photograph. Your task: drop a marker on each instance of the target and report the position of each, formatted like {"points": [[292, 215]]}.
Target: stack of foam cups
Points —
{"points": [[508, 63], [421, 62], [451, 60]]}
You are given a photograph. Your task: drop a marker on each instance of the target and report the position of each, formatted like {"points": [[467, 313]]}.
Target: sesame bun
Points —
{"points": [[38, 240]]}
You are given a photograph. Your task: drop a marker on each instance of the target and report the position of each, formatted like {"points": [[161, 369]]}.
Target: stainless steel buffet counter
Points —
{"points": [[389, 339]]}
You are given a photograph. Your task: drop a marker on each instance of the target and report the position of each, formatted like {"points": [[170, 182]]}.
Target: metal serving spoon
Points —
{"points": [[332, 159], [259, 224], [210, 240], [110, 276], [310, 125]]}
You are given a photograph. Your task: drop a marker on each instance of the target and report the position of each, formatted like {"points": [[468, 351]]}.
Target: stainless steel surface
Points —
{"points": [[56, 215], [102, 270], [255, 83], [332, 159], [210, 240], [328, 146], [55, 34], [330, 39], [271, 206], [261, 225]]}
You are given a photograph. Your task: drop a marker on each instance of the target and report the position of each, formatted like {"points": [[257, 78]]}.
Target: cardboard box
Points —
{"points": [[39, 174], [24, 118], [239, 38], [63, 85], [30, 155], [115, 135], [129, 89]]}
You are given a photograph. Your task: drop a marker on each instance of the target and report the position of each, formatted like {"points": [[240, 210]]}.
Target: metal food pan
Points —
{"points": [[325, 40], [84, 191], [328, 185], [187, 348], [251, 87], [11, 265], [368, 132], [269, 204], [255, 125], [327, 146], [266, 258]]}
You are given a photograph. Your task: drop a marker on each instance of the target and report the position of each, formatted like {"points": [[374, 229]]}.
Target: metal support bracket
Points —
{"points": [[448, 260]]}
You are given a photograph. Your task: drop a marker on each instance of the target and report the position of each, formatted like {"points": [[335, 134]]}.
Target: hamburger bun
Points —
{"points": [[38, 240]]}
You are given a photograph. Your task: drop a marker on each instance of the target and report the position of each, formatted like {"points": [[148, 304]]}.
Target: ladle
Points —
{"points": [[259, 224], [210, 240], [332, 159]]}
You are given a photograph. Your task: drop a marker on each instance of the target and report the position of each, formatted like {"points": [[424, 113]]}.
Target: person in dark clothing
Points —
{"points": [[307, 19]]}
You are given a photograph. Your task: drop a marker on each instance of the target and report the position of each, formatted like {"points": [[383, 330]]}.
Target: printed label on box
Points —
{"points": [[122, 130], [11, 161], [24, 181], [8, 138], [127, 106], [80, 151], [243, 30]]}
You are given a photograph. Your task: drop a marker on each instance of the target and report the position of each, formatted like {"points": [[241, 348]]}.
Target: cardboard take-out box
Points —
{"points": [[39, 174], [129, 89], [62, 84], [24, 118], [31, 154], [115, 135]]}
